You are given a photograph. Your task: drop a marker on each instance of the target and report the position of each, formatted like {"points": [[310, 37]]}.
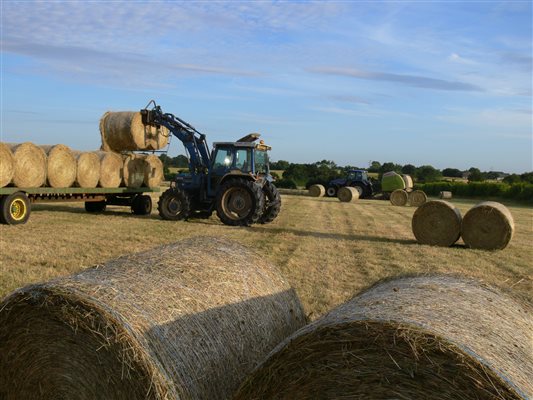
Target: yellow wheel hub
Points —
{"points": [[18, 209]]}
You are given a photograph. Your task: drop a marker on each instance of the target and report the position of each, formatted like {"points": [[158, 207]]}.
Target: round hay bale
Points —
{"points": [[60, 166], [134, 166], [347, 193], [7, 165], [124, 131], [399, 197], [437, 223], [317, 191], [445, 195], [433, 337], [488, 225], [153, 171], [110, 169], [30, 165], [88, 169], [189, 320], [417, 198]]}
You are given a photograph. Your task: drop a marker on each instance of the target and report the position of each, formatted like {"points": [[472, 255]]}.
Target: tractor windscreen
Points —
{"points": [[261, 162]]}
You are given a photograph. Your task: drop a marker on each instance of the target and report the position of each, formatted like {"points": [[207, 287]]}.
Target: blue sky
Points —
{"points": [[424, 82]]}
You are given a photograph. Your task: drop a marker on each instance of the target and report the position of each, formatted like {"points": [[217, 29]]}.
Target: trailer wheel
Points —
{"points": [[15, 209], [95, 206], [141, 205], [174, 205], [240, 202]]}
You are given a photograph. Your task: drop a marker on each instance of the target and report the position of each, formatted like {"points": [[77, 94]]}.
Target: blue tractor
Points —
{"points": [[233, 179], [356, 178]]}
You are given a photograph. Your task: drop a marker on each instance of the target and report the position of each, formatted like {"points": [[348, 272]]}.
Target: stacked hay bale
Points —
{"points": [[434, 337], [60, 166], [488, 225], [153, 171], [417, 198], [87, 169], [317, 191], [7, 165], [30, 165], [399, 197], [170, 323], [347, 194], [111, 166], [437, 223], [133, 170]]}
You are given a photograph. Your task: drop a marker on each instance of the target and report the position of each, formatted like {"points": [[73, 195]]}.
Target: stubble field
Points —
{"points": [[327, 250]]}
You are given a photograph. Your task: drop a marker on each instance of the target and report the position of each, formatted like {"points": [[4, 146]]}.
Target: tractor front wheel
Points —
{"points": [[239, 202], [174, 205], [331, 191]]}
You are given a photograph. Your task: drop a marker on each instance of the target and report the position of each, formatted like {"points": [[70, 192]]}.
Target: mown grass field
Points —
{"points": [[328, 250]]}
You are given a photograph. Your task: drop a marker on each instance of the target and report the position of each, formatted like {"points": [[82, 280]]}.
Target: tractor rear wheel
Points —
{"points": [[174, 205], [239, 202], [272, 203]]}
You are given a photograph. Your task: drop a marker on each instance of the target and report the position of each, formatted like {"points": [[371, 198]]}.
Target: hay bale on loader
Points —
{"points": [[399, 197], [111, 166], [488, 225], [437, 223], [317, 191], [417, 198], [60, 166], [153, 171], [7, 165], [124, 131], [347, 194], [30, 165], [427, 337], [88, 169], [133, 170], [188, 320]]}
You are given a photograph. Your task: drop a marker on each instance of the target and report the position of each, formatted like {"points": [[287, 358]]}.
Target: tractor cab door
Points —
{"points": [[229, 159]]}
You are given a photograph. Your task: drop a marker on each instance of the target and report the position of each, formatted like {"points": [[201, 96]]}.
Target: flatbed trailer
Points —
{"points": [[15, 203]]}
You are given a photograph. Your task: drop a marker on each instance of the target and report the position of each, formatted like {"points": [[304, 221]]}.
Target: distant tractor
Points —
{"points": [[356, 178]]}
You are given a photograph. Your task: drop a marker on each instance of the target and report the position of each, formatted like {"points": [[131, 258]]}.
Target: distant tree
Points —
{"points": [[491, 174], [513, 178], [327, 164], [279, 165], [374, 166], [427, 173], [409, 169], [452, 173], [475, 175], [527, 177], [181, 161], [389, 166]]}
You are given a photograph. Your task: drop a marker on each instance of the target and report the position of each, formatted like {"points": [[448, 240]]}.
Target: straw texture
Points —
{"points": [[417, 198], [488, 225], [428, 337], [88, 169], [347, 194], [184, 321], [124, 131], [134, 168], [111, 166], [153, 171], [437, 223], [7, 165], [399, 197], [317, 191], [30, 165], [60, 166]]}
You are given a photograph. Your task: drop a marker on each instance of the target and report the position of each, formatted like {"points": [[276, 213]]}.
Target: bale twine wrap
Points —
{"points": [[347, 193], [432, 337], [170, 323], [445, 195], [399, 197], [7, 165], [110, 169], [30, 165], [60, 166], [124, 131], [437, 223], [133, 170], [153, 171], [417, 198], [488, 225], [317, 191], [88, 169]]}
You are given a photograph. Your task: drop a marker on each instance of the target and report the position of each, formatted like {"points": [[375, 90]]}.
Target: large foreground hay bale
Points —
{"points": [[111, 166], [60, 166], [7, 165], [347, 194], [188, 320], [488, 225], [153, 171], [317, 191], [445, 195], [431, 337], [88, 169], [437, 223], [417, 198], [30, 165], [124, 131], [399, 197], [133, 170]]}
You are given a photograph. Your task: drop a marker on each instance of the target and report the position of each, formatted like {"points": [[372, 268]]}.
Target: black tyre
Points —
{"points": [[141, 205], [331, 191], [272, 203], [15, 209], [239, 202], [174, 205], [95, 206]]}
